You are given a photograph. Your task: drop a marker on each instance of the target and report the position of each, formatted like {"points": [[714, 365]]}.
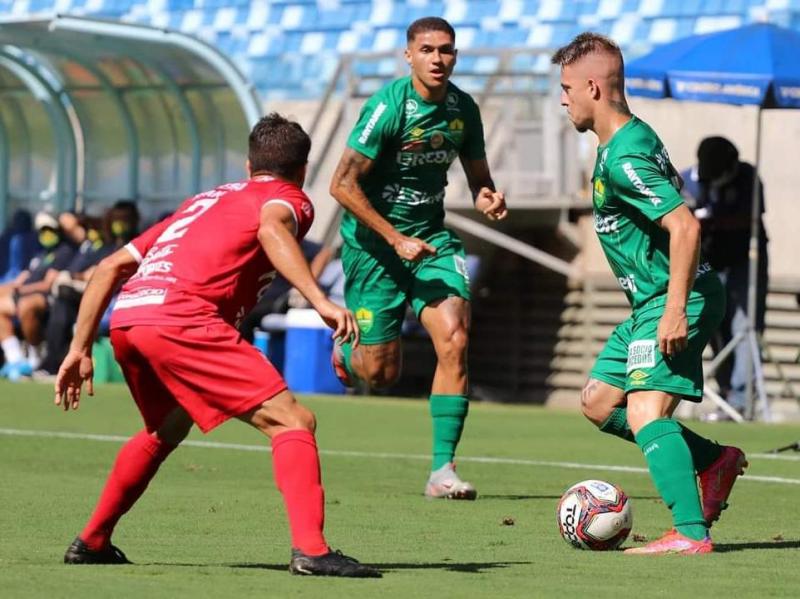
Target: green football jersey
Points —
{"points": [[634, 185], [413, 142]]}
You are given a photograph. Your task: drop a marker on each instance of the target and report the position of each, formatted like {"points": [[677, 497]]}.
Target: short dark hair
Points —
{"points": [[715, 155], [279, 146], [584, 44], [429, 24]]}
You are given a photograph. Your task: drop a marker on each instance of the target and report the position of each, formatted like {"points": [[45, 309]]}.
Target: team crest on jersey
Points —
{"points": [[365, 319], [411, 107], [451, 102], [599, 195], [437, 140]]}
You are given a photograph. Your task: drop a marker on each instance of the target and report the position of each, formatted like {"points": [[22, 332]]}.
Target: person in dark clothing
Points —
{"points": [[721, 187], [31, 286]]}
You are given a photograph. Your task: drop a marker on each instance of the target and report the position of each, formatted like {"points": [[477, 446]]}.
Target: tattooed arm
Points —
{"points": [[346, 189]]}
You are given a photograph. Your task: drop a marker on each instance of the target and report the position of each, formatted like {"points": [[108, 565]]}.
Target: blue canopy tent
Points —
{"points": [[755, 65]]}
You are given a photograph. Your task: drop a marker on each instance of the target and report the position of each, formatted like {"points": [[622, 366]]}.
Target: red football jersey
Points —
{"points": [[205, 262]]}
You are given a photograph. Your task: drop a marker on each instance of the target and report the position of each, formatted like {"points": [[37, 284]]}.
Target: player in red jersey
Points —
{"points": [[192, 278]]}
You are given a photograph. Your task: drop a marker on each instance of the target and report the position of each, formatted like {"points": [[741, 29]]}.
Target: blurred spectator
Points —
{"points": [[18, 245], [118, 227], [31, 287], [721, 187]]}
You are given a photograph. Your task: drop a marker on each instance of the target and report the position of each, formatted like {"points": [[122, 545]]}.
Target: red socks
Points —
{"points": [[295, 463], [137, 463]]}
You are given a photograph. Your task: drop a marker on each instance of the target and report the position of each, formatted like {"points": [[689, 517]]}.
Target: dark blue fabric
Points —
{"points": [[756, 65], [56, 259]]}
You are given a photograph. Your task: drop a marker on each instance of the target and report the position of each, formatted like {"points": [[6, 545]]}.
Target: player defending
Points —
{"points": [[391, 179], [652, 241], [193, 277]]}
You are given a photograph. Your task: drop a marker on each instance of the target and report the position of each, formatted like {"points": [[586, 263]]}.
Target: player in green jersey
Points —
{"points": [[391, 180], [654, 358]]}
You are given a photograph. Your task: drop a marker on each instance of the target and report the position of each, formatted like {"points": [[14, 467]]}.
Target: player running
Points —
{"points": [[193, 277], [654, 358], [391, 179]]}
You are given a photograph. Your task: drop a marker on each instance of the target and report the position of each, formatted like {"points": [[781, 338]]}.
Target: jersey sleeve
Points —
{"points": [[375, 126], [140, 245], [301, 207], [474, 147], [639, 181]]}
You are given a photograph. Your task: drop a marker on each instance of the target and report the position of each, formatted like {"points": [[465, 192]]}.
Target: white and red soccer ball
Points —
{"points": [[594, 514]]}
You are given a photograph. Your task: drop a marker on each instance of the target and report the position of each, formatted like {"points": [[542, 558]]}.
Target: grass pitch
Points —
{"points": [[212, 523]]}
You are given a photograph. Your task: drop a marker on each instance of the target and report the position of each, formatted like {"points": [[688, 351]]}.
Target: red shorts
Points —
{"points": [[209, 370]]}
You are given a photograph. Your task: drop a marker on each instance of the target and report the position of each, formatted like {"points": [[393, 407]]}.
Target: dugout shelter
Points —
{"points": [[93, 110]]}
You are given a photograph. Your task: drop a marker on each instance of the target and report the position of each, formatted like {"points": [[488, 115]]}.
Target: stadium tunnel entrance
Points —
{"points": [[92, 111]]}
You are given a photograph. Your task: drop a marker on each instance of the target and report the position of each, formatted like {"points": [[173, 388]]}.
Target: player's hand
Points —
{"points": [[492, 204], [341, 320], [673, 332], [412, 249], [76, 369]]}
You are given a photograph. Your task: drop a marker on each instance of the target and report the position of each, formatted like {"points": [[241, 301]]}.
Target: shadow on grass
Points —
{"points": [[727, 547], [463, 567]]}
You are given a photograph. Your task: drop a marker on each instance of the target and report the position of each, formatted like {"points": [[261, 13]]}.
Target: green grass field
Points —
{"points": [[212, 523]]}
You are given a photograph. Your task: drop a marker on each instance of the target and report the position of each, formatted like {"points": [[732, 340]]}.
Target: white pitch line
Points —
{"points": [[12, 432]]}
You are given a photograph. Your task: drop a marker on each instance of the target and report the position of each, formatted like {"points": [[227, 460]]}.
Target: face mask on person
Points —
{"points": [[93, 235], [48, 238], [121, 229]]}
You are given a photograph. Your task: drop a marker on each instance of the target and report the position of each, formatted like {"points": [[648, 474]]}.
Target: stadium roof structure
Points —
{"points": [[94, 110]]}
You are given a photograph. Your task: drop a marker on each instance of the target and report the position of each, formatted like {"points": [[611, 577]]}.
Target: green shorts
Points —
{"points": [[378, 284], [631, 360]]}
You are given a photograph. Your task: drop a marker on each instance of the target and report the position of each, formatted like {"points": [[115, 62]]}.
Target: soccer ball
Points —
{"points": [[594, 514]]}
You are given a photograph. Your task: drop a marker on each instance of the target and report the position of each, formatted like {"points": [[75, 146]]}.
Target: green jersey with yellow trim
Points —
{"points": [[634, 185], [413, 142]]}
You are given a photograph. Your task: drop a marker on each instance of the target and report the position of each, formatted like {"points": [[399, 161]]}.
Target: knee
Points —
{"points": [[592, 407], [383, 374], [175, 428], [273, 418], [453, 347]]}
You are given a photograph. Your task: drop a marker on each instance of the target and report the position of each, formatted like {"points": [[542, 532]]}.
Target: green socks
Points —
{"points": [[617, 424], [672, 470], [704, 451], [448, 413]]}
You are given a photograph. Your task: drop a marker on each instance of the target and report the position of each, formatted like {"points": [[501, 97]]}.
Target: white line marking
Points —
{"points": [[12, 432]]}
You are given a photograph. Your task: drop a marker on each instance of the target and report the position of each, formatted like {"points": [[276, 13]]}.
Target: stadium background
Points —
{"points": [[537, 322]]}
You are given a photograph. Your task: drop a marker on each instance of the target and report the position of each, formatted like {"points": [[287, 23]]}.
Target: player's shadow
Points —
{"points": [[728, 547], [462, 567]]}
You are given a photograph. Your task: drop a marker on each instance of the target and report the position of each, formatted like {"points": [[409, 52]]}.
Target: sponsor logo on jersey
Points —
{"points": [[437, 140], [140, 297], [365, 319], [456, 125], [637, 377], [411, 107], [599, 194], [417, 133], [606, 224], [416, 145], [451, 102], [395, 194], [628, 282], [637, 182], [373, 120], [641, 354], [703, 268], [422, 158]]}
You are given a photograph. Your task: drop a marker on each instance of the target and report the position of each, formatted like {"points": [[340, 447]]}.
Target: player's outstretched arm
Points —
{"points": [[346, 189], [684, 253], [276, 233], [77, 365], [488, 201]]}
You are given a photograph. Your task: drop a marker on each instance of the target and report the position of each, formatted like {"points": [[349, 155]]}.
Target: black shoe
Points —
{"points": [[79, 553], [333, 563]]}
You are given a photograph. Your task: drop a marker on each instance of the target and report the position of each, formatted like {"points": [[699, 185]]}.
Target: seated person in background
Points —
{"points": [[119, 226], [276, 297], [18, 245], [34, 282]]}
